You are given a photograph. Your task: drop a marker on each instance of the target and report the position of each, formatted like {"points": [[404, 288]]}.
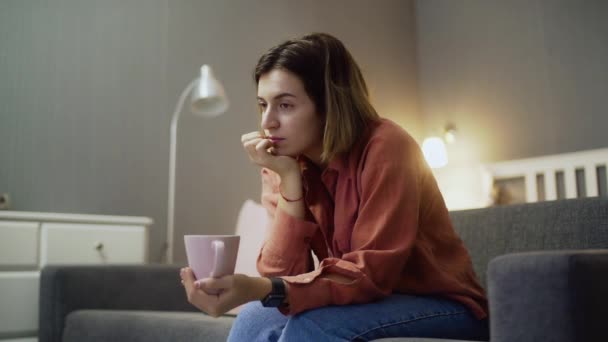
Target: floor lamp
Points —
{"points": [[208, 100]]}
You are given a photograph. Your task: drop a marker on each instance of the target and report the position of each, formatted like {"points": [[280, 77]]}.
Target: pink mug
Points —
{"points": [[212, 256]]}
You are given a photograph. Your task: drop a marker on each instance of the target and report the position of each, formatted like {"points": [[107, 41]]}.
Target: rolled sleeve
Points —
{"points": [[287, 248]]}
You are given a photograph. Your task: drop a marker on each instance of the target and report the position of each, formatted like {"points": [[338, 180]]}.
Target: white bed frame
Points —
{"points": [[548, 166]]}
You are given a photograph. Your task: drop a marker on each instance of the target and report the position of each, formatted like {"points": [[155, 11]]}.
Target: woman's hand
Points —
{"points": [[234, 290], [260, 151]]}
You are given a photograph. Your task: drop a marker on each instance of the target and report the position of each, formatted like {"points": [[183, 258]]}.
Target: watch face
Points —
{"points": [[276, 297], [273, 300]]}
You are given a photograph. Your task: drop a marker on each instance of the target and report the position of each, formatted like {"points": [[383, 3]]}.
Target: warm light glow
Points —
{"points": [[464, 186], [435, 153]]}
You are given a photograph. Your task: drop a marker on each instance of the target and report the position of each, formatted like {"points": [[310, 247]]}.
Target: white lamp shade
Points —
{"points": [[208, 98], [435, 152]]}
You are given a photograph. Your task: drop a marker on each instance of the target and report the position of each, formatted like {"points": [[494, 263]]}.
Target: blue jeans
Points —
{"points": [[396, 316]]}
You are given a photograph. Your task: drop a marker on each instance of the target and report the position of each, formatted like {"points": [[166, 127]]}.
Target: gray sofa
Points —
{"points": [[545, 266]]}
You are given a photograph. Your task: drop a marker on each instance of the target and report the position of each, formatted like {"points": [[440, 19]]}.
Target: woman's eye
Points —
{"points": [[285, 105], [262, 105]]}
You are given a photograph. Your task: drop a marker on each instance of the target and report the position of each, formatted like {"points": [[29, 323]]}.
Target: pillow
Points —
{"points": [[251, 225]]}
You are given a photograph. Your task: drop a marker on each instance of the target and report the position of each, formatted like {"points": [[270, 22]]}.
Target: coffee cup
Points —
{"points": [[212, 256]]}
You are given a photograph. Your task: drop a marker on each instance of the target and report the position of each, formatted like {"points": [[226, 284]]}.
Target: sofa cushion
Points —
{"points": [[564, 224], [567, 289], [251, 226], [144, 326]]}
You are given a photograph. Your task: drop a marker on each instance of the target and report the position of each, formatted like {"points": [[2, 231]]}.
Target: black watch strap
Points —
{"points": [[276, 297]]}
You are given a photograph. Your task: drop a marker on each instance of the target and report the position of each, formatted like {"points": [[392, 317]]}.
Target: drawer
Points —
{"points": [[66, 243], [18, 244], [19, 303]]}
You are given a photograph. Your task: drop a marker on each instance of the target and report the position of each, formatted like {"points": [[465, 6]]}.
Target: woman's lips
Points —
{"points": [[276, 139]]}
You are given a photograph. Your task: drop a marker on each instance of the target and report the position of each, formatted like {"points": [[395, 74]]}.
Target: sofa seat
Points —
{"points": [[161, 326], [144, 326]]}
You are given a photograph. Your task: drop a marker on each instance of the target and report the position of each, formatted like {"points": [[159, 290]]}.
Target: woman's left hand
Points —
{"points": [[234, 290]]}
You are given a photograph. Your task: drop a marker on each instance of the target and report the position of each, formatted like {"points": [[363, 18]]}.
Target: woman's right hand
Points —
{"points": [[259, 150]]}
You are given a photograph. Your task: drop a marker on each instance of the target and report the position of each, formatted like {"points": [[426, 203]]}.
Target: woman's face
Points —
{"points": [[289, 116]]}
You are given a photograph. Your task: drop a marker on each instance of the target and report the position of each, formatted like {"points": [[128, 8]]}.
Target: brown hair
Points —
{"points": [[333, 81]]}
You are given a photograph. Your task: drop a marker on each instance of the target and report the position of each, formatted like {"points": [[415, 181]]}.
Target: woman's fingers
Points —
{"points": [[261, 151], [188, 281], [196, 296], [257, 148], [250, 147], [263, 146], [251, 135], [223, 283]]}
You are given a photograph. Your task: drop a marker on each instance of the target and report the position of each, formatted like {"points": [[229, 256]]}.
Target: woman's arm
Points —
{"points": [[291, 199], [234, 290], [286, 249]]}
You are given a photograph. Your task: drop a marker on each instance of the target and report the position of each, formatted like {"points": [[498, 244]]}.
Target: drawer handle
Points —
{"points": [[99, 246]]}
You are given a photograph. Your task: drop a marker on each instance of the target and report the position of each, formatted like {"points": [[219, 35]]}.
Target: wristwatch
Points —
{"points": [[276, 297]]}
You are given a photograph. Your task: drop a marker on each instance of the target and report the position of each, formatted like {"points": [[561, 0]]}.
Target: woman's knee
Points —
{"points": [[320, 324], [257, 323], [250, 315], [249, 310]]}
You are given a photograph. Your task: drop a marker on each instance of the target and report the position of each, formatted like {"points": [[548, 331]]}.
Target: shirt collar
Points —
{"points": [[338, 164], [342, 160]]}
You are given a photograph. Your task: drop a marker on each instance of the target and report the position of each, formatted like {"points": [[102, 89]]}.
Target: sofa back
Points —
{"points": [[563, 224]]}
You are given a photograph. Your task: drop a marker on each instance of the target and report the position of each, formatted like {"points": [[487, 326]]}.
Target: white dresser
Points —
{"points": [[31, 240]]}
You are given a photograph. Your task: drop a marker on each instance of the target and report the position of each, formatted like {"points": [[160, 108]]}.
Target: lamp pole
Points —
{"points": [[172, 158], [209, 100]]}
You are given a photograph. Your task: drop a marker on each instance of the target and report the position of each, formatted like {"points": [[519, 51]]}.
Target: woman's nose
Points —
{"points": [[269, 120]]}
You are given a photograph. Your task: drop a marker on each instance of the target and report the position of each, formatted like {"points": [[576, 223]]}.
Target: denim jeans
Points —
{"points": [[395, 316]]}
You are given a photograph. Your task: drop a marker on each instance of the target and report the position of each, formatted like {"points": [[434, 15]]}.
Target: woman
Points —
{"points": [[353, 189]]}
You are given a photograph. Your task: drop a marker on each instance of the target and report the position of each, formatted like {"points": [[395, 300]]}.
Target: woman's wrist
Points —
{"points": [[290, 172], [261, 288], [291, 187]]}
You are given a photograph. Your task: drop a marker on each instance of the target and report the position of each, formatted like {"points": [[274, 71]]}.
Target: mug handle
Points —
{"points": [[219, 259]]}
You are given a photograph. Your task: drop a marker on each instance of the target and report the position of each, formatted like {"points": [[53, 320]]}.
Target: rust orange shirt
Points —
{"points": [[375, 217]]}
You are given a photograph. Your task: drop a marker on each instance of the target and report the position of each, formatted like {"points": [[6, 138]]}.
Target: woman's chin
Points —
{"points": [[278, 152]]}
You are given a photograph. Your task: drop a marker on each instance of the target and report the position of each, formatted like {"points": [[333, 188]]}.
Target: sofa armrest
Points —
{"points": [[549, 296], [64, 289]]}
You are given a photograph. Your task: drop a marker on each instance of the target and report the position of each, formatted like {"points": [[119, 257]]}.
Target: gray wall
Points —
{"points": [[83, 107], [88, 88], [518, 78]]}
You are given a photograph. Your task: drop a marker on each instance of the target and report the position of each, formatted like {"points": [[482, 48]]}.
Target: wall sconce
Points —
{"points": [[449, 133]]}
